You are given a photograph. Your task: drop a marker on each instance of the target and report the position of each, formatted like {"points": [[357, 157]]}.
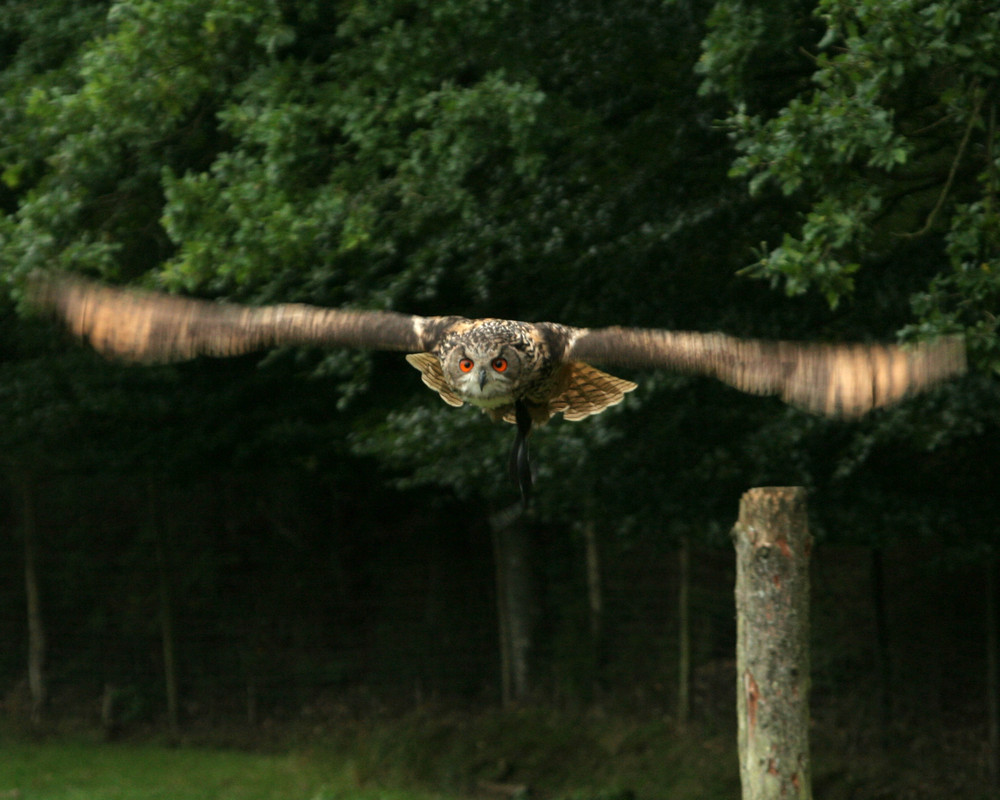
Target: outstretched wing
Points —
{"points": [[156, 327], [829, 379]]}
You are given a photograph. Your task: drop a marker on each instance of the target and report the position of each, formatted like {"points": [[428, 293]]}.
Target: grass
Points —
{"points": [[420, 756], [437, 754], [60, 770]]}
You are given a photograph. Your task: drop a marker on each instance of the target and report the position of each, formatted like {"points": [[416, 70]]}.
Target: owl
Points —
{"points": [[518, 372]]}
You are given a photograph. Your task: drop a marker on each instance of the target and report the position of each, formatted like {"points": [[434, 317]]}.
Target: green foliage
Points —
{"points": [[893, 138], [874, 125], [136, 97]]}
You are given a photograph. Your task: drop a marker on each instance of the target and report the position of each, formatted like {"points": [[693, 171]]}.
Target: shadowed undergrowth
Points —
{"points": [[534, 753], [437, 754]]}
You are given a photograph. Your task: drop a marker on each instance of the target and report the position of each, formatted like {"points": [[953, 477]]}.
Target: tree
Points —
{"points": [[37, 681], [887, 141]]}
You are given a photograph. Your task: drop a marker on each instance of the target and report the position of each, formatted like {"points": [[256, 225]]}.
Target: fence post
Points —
{"points": [[772, 643]]}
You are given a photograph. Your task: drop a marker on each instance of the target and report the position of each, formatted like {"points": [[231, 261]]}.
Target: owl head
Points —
{"points": [[484, 373]]}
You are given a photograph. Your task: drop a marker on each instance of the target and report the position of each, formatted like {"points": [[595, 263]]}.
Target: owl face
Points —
{"points": [[484, 374]]}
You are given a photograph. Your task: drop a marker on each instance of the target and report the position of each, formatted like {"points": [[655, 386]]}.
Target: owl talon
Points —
{"points": [[519, 463]]}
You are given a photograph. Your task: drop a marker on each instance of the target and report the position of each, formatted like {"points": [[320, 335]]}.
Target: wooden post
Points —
{"points": [[772, 649]]}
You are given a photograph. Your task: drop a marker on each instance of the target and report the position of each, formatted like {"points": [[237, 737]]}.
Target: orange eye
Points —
{"points": [[465, 365], [499, 364]]}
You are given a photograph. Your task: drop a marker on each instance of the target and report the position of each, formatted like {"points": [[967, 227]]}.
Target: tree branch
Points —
{"points": [[951, 173]]}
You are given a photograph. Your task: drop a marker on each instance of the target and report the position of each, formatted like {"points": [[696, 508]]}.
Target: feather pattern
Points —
{"points": [[586, 390], [433, 376]]}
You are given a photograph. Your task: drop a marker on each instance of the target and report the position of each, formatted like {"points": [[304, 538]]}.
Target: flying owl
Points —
{"points": [[518, 372]]}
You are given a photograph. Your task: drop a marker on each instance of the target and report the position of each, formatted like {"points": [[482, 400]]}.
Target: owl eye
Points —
{"points": [[465, 365], [499, 364]]}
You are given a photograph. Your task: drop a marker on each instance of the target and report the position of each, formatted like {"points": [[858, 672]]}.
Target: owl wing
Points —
{"points": [[578, 391], [432, 375], [585, 390], [156, 327], [831, 379]]}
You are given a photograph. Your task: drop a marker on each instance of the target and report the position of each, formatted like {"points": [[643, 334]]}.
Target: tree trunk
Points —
{"points": [[595, 600], [167, 636], [503, 621], [515, 606], [992, 674], [882, 664], [36, 627], [683, 632], [772, 652]]}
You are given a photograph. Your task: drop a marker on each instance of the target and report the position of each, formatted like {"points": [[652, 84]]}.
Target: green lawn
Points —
{"points": [[85, 771], [421, 756]]}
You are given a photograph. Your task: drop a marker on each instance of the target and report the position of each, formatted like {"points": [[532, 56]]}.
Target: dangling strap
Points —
{"points": [[519, 462]]}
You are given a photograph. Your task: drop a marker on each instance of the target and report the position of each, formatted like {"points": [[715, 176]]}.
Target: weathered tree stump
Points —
{"points": [[772, 650]]}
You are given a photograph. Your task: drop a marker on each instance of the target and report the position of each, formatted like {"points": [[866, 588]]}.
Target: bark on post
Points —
{"points": [[772, 651]]}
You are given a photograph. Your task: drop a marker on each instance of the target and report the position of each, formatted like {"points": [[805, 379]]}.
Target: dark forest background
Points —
{"points": [[296, 531]]}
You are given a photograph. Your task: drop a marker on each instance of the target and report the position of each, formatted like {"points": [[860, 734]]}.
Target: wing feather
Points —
{"points": [[432, 375], [832, 379], [156, 327], [587, 391]]}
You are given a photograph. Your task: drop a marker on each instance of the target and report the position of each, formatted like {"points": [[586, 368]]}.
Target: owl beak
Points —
{"points": [[482, 378]]}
